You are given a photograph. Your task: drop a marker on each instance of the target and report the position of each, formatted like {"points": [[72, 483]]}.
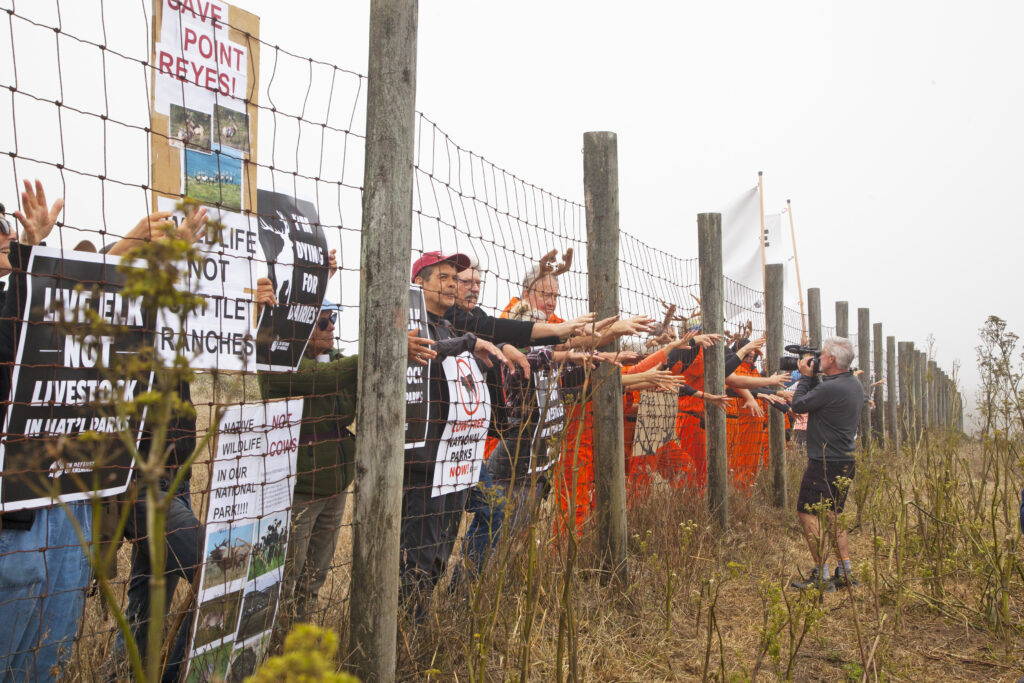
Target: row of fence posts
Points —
{"points": [[927, 396]]}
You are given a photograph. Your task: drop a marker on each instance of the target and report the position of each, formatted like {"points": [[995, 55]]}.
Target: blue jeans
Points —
{"points": [[183, 535], [42, 594], [487, 505]]}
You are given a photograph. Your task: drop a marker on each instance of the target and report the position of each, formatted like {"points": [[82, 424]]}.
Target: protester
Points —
{"points": [[430, 522], [325, 463], [44, 572], [833, 400]]}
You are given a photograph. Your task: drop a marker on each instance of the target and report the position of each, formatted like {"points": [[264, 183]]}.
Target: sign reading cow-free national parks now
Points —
{"points": [[247, 520]]}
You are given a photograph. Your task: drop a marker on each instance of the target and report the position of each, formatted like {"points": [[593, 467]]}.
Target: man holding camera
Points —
{"points": [[833, 399]]}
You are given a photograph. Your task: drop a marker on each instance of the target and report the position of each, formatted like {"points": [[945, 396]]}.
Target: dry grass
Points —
{"points": [[517, 616]]}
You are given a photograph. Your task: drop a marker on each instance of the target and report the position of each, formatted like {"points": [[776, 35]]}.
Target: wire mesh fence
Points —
{"points": [[246, 346]]}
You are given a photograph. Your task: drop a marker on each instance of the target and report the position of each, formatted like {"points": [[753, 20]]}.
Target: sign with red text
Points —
{"points": [[252, 480], [460, 454], [205, 60]]}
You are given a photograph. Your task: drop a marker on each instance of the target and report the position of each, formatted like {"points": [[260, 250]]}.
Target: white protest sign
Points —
{"points": [[194, 60], [247, 522], [222, 337], [460, 455]]}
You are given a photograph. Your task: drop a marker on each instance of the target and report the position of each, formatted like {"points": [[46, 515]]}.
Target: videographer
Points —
{"points": [[833, 399]]}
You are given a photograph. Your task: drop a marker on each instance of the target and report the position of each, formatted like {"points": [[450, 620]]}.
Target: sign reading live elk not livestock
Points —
{"points": [[67, 380], [417, 388], [203, 114], [251, 484], [283, 242]]}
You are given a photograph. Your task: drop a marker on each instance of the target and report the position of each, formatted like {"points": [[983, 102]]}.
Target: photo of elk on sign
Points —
{"points": [[227, 554]]}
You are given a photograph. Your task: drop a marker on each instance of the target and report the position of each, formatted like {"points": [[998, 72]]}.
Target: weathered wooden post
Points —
{"points": [[933, 399], [906, 392], [843, 319], [878, 424], [814, 317], [385, 256], [892, 424], [712, 299], [864, 363], [601, 193], [919, 393], [774, 284]]}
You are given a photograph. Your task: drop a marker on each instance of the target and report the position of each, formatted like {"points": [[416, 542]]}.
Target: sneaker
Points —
{"points": [[841, 579], [815, 581]]}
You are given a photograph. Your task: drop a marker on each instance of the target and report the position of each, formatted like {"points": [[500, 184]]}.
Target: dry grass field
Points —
{"points": [[934, 544]]}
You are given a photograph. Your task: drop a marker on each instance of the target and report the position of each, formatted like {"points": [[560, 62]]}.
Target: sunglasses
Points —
{"points": [[322, 323]]}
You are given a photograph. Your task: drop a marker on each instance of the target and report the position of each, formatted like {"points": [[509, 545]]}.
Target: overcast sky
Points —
{"points": [[894, 128]]}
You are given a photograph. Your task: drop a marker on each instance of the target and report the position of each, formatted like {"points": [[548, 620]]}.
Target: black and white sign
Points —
{"points": [[417, 388], [460, 455], [296, 259], [221, 337], [550, 422], [64, 391]]}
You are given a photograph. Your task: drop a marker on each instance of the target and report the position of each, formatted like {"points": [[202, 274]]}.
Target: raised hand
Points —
{"points": [[36, 219]]}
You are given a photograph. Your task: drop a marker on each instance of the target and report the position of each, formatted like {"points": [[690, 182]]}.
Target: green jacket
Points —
{"points": [[326, 460]]}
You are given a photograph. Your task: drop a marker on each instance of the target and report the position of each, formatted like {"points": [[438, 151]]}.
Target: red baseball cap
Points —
{"points": [[432, 258]]}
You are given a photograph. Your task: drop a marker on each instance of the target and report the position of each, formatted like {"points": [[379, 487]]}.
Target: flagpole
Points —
{"points": [[764, 257], [796, 263]]}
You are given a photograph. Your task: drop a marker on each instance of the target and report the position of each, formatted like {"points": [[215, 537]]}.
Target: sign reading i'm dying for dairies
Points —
{"points": [[62, 385]]}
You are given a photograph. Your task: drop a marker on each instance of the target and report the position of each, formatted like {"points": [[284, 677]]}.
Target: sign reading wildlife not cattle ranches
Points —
{"points": [[251, 485]]}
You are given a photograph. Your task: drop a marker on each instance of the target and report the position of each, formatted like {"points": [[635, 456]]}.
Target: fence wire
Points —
{"points": [[242, 564]]}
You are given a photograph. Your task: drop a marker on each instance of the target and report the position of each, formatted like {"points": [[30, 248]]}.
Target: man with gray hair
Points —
{"points": [[833, 399]]}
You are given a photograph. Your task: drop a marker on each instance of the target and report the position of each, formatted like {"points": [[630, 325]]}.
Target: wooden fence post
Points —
{"points": [[712, 299], [814, 317], [933, 398], [919, 393], [843, 319], [601, 192], [892, 424], [385, 257], [906, 420], [878, 424], [864, 363], [773, 349]]}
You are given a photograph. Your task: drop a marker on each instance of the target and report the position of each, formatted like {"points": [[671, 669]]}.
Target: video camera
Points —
{"points": [[790, 363]]}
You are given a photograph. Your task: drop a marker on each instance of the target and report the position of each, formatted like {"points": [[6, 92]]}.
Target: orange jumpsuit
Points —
{"points": [[747, 437], [576, 481]]}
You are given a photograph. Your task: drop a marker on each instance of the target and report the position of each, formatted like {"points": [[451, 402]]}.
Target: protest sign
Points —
{"points": [[224, 335], [247, 520], [550, 421], [460, 454], [296, 259], [417, 388], [65, 384], [203, 115]]}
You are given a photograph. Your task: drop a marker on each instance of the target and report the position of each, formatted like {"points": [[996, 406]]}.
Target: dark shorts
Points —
{"points": [[819, 484]]}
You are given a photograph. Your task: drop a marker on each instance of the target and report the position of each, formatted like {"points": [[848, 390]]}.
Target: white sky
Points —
{"points": [[894, 128]]}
